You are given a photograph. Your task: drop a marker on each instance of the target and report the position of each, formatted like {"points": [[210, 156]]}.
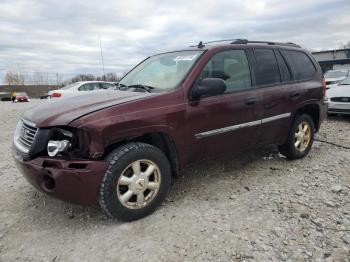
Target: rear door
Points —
{"points": [[228, 122], [274, 84]]}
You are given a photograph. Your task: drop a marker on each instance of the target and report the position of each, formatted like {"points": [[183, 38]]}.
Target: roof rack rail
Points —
{"points": [[245, 41], [223, 40]]}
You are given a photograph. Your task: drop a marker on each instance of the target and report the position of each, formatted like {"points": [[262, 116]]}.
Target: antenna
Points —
{"points": [[103, 65]]}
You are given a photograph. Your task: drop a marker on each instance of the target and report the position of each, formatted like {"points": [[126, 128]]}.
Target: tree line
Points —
{"points": [[18, 77]]}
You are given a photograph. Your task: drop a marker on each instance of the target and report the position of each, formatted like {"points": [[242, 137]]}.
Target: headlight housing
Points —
{"points": [[56, 147], [61, 142]]}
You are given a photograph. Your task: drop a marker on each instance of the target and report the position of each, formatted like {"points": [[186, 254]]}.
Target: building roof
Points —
{"points": [[332, 50]]}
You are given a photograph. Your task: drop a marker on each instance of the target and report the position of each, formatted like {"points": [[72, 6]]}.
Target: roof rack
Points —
{"points": [[245, 41], [201, 44]]}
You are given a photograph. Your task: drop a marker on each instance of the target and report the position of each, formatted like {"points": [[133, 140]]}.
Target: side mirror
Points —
{"points": [[208, 87]]}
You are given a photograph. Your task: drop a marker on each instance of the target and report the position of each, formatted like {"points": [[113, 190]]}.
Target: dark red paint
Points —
{"points": [[114, 116]]}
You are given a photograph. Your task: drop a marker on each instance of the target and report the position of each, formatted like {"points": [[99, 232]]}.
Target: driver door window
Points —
{"points": [[232, 67]]}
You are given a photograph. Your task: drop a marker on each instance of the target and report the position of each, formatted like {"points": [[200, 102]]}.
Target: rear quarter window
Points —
{"points": [[301, 64]]}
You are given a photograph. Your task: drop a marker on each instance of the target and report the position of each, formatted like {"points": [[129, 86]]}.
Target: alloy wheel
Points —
{"points": [[138, 184], [302, 136]]}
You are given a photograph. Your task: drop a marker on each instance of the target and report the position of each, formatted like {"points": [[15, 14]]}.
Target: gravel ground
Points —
{"points": [[256, 207]]}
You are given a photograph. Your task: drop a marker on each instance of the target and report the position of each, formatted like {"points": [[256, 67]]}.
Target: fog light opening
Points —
{"points": [[48, 183]]}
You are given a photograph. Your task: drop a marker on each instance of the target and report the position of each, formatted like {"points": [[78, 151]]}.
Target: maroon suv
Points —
{"points": [[120, 149]]}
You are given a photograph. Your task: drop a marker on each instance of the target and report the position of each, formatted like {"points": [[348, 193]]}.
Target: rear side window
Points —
{"points": [[302, 65], [285, 74], [267, 72], [89, 87]]}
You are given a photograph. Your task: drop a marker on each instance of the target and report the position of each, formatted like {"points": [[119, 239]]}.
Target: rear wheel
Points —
{"points": [[300, 138], [136, 182]]}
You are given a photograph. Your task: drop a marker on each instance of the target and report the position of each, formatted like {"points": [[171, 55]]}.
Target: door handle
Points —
{"points": [[294, 95], [251, 101]]}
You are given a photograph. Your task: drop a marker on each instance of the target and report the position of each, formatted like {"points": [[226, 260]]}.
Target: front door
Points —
{"points": [[229, 122]]}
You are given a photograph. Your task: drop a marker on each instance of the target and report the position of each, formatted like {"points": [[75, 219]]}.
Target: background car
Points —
{"points": [[339, 98], [5, 96], [334, 77], [22, 97], [44, 95], [76, 88]]}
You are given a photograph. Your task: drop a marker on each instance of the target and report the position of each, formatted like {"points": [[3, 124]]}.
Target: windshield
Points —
{"points": [[164, 71], [336, 74], [21, 94], [346, 81]]}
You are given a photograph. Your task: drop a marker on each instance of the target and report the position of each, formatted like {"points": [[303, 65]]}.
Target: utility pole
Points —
{"points": [[57, 78], [103, 65]]}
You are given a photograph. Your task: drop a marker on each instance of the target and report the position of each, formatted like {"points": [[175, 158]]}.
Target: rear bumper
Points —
{"points": [[76, 181]]}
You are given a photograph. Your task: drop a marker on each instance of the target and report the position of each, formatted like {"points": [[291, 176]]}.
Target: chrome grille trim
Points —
{"points": [[25, 140], [341, 99]]}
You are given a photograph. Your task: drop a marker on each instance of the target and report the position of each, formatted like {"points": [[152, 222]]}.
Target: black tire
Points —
{"points": [[120, 159], [289, 149]]}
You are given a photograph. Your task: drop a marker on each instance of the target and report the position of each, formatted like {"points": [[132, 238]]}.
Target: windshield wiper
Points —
{"points": [[144, 87]]}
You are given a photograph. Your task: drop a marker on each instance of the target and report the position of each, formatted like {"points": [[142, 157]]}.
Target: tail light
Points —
{"points": [[56, 94], [323, 87]]}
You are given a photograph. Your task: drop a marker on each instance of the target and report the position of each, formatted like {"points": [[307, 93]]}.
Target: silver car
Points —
{"points": [[335, 77], [339, 98]]}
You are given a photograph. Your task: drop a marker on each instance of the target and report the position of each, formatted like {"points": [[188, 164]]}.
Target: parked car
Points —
{"points": [[339, 98], [334, 77], [121, 149], [44, 95], [80, 87], [5, 96], [22, 97]]}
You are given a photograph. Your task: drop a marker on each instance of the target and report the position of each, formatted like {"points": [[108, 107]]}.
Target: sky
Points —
{"points": [[63, 36]]}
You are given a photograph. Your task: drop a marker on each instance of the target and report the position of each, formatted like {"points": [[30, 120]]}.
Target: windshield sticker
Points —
{"points": [[185, 58]]}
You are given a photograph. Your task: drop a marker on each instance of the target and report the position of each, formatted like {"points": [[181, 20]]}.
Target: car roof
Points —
{"points": [[236, 44]]}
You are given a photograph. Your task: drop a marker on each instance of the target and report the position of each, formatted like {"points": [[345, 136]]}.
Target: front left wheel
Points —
{"points": [[136, 182]]}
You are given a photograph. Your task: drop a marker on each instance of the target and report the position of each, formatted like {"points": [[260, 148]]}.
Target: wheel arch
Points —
{"points": [[161, 140], [313, 110]]}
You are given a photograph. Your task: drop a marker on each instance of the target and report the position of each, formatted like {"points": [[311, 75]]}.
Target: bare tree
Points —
{"points": [[83, 77], [109, 77], [14, 78], [347, 45]]}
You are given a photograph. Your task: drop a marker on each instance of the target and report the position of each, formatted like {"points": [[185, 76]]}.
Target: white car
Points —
{"points": [[339, 98], [78, 87], [334, 77]]}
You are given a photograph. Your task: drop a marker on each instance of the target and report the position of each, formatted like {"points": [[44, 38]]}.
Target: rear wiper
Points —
{"points": [[144, 87]]}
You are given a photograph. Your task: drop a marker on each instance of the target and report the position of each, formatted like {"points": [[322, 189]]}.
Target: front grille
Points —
{"points": [[341, 99], [27, 134]]}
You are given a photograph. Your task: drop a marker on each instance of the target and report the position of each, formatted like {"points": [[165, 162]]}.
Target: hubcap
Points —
{"points": [[138, 184], [302, 136]]}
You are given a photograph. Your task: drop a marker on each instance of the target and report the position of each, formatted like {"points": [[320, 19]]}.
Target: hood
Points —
{"points": [[339, 91], [62, 111], [334, 79]]}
